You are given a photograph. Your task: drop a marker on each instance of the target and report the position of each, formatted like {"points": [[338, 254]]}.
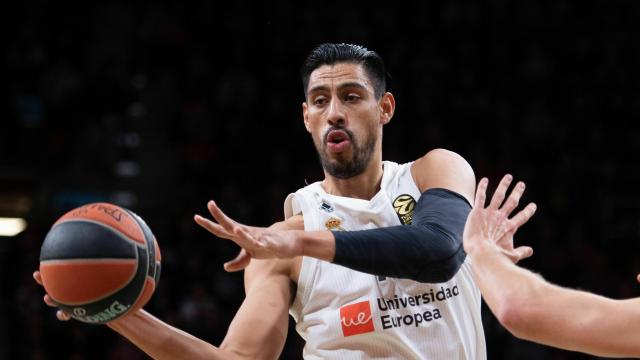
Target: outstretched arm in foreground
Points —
{"points": [[532, 308]]}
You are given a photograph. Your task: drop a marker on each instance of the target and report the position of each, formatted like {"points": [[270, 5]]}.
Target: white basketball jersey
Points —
{"points": [[346, 314]]}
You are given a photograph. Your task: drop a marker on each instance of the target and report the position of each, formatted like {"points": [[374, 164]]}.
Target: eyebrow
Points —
{"points": [[349, 84]]}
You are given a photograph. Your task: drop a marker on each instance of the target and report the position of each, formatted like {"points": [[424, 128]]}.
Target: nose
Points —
{"points": [[336, 114]]}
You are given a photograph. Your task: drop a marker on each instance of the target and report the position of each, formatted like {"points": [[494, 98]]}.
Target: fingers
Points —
{"points": [[638, 278], [37, 277], [244, 239], [513, 199], [501, 190], [212, 227], [524, 215], [62, 316], [481, 193], [523, 252], [49, 301], [220, 217], [239, 263]]}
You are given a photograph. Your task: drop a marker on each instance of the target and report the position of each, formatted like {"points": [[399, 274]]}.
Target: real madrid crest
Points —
{"points": [[334, 224]]}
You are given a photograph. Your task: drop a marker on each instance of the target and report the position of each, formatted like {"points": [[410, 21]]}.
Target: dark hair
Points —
{"points": [[329, 54]]}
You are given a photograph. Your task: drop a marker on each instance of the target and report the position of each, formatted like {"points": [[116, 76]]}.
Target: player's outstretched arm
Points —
{"points": [[428, 250], [258, 331], [532, 308], [156, 338]]}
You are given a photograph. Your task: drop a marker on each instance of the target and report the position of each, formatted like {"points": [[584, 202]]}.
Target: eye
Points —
{"points": [[320, 100], [352, 97]]}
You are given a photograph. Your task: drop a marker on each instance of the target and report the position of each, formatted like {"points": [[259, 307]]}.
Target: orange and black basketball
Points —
{"points": [[100, 262]]}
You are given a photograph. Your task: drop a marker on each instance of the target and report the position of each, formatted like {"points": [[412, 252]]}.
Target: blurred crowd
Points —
{"points": [[161, 106]]}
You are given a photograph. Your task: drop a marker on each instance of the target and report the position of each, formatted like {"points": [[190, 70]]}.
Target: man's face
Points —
{"points": [[344, 118]]}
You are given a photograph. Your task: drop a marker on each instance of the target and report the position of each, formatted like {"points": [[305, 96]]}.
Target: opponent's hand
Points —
{"points": [[61, 315], [256, 242], [491, 226]]}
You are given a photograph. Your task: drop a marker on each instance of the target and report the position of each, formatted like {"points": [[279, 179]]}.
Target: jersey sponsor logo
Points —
{"points": [[356, 318], [404, 206], [334, 224], [395, 308]]}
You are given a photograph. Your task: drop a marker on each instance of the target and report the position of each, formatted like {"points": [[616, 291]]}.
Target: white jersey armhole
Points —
{"points": [[295, 204]]}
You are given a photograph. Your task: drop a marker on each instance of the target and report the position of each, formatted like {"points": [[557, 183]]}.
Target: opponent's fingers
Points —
{"points": [[638, 278], [523, 252], [514, 198], [501, 190], [37, 277], [212, 227], [239, 262], [481, 193], [62, 316], [524, 215], [220, 216]]}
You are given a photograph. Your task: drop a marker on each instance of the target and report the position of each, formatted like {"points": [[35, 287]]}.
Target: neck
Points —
{"points": [[363, 186]]}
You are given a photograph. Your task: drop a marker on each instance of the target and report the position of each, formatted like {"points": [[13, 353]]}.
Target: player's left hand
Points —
{"points": [[256, 242], [491, 226]]}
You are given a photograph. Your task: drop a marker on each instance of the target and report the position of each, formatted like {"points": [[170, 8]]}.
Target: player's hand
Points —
{"points": [[491, 226], [256, 242], [61, 315]]}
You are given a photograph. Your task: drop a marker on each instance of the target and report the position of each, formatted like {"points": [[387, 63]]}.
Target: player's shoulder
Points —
{"points": [[442, 156], [442, 168]]}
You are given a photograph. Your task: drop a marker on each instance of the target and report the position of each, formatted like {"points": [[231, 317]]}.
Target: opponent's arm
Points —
{"points": [[530, 307], [533, 309]]}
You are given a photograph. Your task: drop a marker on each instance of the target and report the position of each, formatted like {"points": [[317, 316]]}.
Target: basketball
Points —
{"points": [[100, 262]]}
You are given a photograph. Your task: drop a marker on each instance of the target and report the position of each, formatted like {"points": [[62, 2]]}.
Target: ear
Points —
{"points": [[305, 116], [387, 107]]}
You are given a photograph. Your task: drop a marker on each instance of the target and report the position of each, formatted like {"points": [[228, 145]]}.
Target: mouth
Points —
{"points": [[337, 140]]}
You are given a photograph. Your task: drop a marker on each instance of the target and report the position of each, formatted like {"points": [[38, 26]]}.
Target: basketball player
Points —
{"points": [[404, 224], [527, 305]]}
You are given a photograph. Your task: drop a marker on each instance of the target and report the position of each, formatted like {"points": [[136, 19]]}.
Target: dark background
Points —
{"points": [[161, 106]]}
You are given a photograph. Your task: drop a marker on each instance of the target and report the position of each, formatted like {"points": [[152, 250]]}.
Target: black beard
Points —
{"points": [[347, 169]]}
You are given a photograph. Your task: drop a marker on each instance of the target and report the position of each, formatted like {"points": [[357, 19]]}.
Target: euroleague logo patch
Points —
{"points": [[404, 205], [356, 318]]}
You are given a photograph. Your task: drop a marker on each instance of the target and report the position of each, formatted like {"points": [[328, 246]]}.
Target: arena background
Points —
{"points": [[161, 106]]}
